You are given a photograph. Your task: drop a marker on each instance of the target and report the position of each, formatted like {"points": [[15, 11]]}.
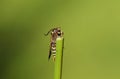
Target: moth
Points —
{"points": [[55, 33]]}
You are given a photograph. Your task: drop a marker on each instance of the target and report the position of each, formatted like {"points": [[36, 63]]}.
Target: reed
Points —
{"points": [[59, 58]]}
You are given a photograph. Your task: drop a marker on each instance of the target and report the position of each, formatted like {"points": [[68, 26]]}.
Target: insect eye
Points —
{"points": [[59, 33]]}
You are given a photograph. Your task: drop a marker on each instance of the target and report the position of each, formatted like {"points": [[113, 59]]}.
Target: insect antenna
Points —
{"points": [[48, 32]]}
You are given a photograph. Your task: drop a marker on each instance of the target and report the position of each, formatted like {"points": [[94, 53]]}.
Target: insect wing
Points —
{"points": [[49, 54]]}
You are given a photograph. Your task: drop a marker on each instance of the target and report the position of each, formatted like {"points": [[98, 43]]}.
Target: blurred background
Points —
{"points": [[91, 31]]}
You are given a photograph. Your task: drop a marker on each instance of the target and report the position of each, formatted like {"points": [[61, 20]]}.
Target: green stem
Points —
{"points": [[59, 58]]}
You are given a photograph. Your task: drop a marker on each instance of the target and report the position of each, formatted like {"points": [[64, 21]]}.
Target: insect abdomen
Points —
{"points": [[53, 52]]}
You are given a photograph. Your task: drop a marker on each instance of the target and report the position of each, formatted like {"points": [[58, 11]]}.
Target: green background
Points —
{"points": [[91, 31]]}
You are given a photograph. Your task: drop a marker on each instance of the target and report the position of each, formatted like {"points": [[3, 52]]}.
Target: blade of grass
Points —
{"points": [[59, 58]]}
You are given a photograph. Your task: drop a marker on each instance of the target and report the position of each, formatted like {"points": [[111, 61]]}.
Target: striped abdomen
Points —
{"points": [[53, 50]]}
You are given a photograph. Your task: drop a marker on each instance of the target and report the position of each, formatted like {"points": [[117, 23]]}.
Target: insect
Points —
{"points": [[55, 33]]}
